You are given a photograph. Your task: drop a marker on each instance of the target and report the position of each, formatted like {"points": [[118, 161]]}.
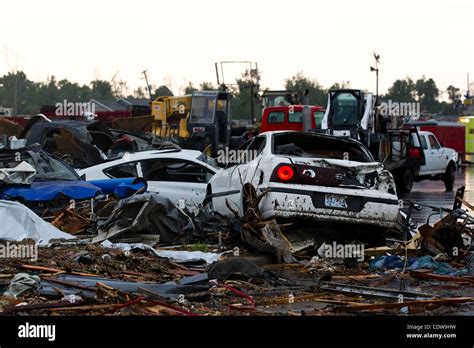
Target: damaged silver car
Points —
{"points": [[310, 176]]}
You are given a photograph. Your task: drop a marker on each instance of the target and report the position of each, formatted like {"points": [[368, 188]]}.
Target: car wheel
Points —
{"points": [[405, 180], [449, 178]]}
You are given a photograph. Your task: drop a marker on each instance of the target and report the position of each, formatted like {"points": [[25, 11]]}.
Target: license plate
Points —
{"points": [[335, 201], [198, 129]]}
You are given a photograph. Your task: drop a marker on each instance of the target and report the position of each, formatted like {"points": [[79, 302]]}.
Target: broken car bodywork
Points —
{"points": [[149, 214], [81, 143], [53, 185], [179, 175], [313, 176], [41, 181], [361, 186]]}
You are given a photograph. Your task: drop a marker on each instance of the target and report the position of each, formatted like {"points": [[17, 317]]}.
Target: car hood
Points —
{"points": [[449, 151]]}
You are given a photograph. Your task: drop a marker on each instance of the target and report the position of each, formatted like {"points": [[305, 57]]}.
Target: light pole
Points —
{"points": [[376, 69], [147, 84]]}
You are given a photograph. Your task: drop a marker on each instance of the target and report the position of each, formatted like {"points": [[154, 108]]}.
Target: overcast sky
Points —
{"points": [[179, 40]]}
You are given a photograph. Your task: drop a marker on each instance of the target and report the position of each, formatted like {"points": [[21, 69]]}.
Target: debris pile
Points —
{"points": [[149, 258]]}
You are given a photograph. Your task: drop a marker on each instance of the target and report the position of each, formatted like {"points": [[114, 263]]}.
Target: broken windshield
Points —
{"points": [[317, 146], [47, 168], [56, 170]]}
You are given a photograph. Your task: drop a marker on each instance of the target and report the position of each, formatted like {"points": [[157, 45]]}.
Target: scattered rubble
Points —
{"points": [[146, 214], [86, 143], [211, 265]]}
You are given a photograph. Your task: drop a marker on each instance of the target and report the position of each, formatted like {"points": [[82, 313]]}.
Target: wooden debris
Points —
{"points": [[376, 306], [38, 306], [55, 270], [430, 276]]}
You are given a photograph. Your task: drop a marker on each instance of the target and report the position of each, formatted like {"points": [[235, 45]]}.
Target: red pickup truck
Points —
{"points": [[289, 117]]}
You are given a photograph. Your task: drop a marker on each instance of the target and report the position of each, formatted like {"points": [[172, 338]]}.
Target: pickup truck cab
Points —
{"points": [[289, 117], [440, 161]]}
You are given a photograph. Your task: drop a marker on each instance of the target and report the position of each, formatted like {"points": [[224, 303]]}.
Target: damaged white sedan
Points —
{"points": [[310, 176], [179, 175]]}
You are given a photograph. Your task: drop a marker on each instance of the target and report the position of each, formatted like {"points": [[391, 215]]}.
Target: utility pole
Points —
{"points": [[15, 95], [468, 87], [252, 103], [376, 69], [306, 112], [147, 84], [254, 84], [468, 98]]}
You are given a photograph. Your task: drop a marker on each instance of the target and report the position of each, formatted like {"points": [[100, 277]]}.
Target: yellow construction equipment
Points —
{"points": [[171, 116], [200, 121]]}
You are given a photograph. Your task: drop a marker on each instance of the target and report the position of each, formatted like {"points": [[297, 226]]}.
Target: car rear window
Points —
{"points": [[317, 146]]}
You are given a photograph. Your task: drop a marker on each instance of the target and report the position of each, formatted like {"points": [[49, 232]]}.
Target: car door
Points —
{"points": [[227, 184], [432, 154], [437, 152], [247, 171], [253, 169], [181, 181]]}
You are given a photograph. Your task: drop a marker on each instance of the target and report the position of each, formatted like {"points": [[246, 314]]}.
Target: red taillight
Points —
{"points": [[285, 173], [414, 152]]}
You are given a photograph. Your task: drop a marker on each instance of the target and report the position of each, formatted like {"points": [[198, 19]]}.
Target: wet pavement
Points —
{"points": [[433, 193]]}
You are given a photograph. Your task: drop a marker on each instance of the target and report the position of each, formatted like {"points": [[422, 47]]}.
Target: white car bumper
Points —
{"points": [[363, 206]]}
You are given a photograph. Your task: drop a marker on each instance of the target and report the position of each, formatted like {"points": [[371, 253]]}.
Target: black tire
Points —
{"points": [[405, 180], [448, 178]]}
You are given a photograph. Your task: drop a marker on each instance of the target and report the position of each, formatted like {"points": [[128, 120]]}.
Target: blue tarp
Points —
{"points": [[40, 191], [121, 188], [389, 262], [425, 262]]}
